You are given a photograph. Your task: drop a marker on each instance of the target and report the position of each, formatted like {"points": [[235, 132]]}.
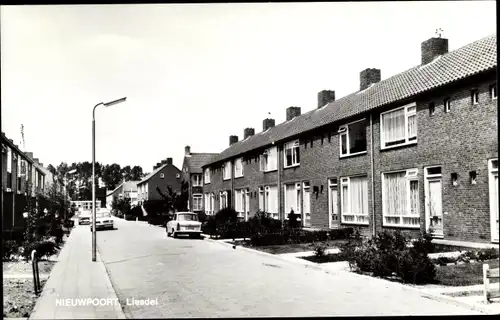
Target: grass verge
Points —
{"points": [[466, 274], [288, 248], [19, 297]]}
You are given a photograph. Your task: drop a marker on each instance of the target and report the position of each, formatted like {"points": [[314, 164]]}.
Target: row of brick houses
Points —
{"points": [[20, 171], [415, 151]]}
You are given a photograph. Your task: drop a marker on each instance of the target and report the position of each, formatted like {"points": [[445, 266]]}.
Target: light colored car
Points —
{"points": [[84, 220], [184, 223], [102, 223]]}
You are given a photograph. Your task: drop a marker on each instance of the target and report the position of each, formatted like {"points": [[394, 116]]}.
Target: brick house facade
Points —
{"points": [[192, 173], [414, 151], [164, 174], [20, 174]]}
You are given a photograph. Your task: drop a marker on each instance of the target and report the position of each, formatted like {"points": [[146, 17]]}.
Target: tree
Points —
{"points": [[183, 198], [112, 175], [136, 173], [126, 173]]}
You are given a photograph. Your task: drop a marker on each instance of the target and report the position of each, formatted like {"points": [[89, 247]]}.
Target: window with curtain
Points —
{"points": [[262, 206], [354, 200], [269, 159], [197, 202], [292, 153], [400, 199], [207, 175], [290, 199], [273, 201], [238, 168], [226, 171], [399, 126]]}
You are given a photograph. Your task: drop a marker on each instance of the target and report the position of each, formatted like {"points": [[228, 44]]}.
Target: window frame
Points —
{"points": [[411, 174], [475, 97], [333, 185], [406, 116], [223, 194], [266, 167], [295, 144], [341, 182], [227, 169], [447, 105], [197, 180], [344, 130], [206, 176], [493, 91], [199, 197], [297, 209], [238, 173]]}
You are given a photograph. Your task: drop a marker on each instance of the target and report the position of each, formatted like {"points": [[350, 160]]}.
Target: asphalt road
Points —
{"points": [[199, 278]]}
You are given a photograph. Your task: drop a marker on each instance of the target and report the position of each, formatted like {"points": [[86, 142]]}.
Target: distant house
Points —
{"points": [[21, 176], [127, 189], [192, 173], [164, 174]]}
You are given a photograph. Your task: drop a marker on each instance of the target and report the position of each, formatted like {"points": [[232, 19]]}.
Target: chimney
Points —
{"points": [[187, 150], [433, 48], [248, 132], [267, 123], [368, 77], [292, 112], [325, 97], [233, 140], [36, 160], [169, 161], [29, 154], [162, 163]]}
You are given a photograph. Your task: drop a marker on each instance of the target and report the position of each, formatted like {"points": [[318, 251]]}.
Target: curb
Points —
{"points": [[315, 266], [111, 289]]}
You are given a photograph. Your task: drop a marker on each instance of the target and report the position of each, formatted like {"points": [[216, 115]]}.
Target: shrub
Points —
{"points": [[10, 247], [293, 222], [44, 248], [320, 250], [415, 267], [487, 254], [202, 217], [263, 222], [349, 249], [343, 233]]}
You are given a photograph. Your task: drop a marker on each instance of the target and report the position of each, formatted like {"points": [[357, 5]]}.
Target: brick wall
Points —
{"points": [[459, 141], [170, 178]]}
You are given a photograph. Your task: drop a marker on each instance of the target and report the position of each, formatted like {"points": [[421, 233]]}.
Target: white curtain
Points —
{"points": [[237, 200], [273, 199], [412, 126], [395, 196], [359, 195], [272, 160], [394, 125], [333, 200], [261, 200], [290, 199]]}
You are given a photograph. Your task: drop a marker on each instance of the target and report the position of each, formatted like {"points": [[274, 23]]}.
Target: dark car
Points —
{"points": [[83, 220]]}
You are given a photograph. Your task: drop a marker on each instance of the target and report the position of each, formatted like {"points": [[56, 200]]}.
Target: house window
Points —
{"points": [[207, 176], [475, 96], [473, 177], [399, 126], [332, 198], [196, 180], [197, 202], [9, 167], [238, 168], [493, 91], [268, 200], [352, 138], [432, 108], [354, 200], [223, 200], [226, 171], [400, 199], [293, 198], [19, 173], [269, 160], [209, 203], [454, 178], [447, 105], [162, 175], [292, 154]]}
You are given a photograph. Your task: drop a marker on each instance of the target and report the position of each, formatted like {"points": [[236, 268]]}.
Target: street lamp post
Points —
{"points": [[105, 104]]}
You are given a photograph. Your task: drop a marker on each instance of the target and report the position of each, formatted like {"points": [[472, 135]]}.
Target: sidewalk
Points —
{"points": [[76, 276]]}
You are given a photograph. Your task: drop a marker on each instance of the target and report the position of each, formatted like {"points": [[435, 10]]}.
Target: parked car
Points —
{"points": [[83, 220], [102, 223], [184, 223]]}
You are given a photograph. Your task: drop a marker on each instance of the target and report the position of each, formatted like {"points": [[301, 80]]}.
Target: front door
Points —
{"points": [[494, 200], [333, 209], [434, 210], [306, 205]]}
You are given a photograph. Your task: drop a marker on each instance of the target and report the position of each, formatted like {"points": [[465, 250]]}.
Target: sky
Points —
{"points": [[194, 74]]}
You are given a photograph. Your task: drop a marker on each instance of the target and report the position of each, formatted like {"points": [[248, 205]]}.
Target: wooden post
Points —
{"points": [[33, 266], [486, 281]]}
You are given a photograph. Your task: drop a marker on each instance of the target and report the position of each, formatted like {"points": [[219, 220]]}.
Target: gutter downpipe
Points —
{"points": [[373, 174]]}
